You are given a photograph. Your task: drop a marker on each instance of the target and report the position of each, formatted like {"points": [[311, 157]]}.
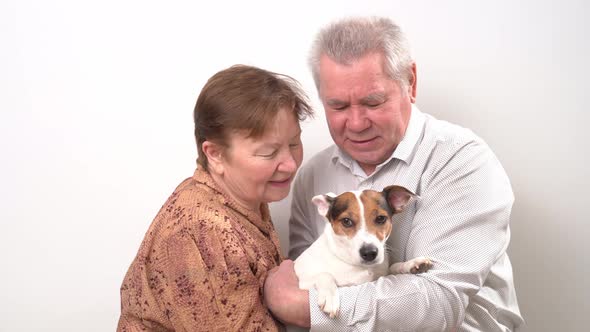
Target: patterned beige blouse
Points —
{"points": [[201, 265]]}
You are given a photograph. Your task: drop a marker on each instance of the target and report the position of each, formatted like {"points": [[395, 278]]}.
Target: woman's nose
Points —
{"points": [[288, 164]]}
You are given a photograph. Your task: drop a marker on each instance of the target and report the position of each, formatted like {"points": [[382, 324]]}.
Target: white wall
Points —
{"points": [[96, 100]]}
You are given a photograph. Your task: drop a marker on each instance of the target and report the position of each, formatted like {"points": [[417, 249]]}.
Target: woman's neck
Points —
{"points": [[248, 205]]}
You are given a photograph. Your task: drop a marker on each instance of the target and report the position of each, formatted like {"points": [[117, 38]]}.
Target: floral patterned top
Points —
{"points": [[201, 265]]}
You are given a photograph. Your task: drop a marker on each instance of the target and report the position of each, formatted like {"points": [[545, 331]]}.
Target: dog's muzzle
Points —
{"points": [[368, 252]]}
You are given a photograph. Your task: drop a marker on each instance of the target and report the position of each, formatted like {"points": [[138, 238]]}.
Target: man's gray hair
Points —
{"points": [[350, 39]]}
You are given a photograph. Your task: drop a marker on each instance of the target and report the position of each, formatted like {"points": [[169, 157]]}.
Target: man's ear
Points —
{"points": [[214, 153], [397, 197], [413, 83], [323, 202]]}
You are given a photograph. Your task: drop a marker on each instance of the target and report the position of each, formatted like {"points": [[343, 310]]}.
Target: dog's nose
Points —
{"points": [[368, 252]]}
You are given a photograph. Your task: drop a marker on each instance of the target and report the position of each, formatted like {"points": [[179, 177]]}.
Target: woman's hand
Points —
{"points": [[283, 297]]}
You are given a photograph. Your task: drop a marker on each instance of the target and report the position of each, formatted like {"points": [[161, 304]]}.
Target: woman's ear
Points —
{"points": [[214, 153]]}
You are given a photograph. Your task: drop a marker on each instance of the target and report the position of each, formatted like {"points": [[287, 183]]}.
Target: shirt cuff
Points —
{"points": [[347, 318]]}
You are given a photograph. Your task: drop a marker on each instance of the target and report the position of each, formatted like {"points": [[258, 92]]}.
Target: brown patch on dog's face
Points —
{"points": [[344, 215], [377, 214]]}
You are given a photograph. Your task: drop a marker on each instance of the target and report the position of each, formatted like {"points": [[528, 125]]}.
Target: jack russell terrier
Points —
{"points": [[352, 250]]}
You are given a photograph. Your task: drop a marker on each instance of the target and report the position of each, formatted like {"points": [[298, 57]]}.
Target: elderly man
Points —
{"points": [[366, 80]]}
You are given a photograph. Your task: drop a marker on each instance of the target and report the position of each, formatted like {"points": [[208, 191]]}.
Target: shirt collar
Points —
{"points": [[404, 151], [406, 148]]}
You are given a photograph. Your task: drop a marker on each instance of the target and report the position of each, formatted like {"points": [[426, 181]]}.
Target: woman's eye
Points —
{"points": [[380, 220], [346, 222], [269, 154]]}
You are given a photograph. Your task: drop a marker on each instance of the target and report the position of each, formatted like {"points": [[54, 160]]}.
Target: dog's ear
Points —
{"points": [[397, 197], [323, 202]]}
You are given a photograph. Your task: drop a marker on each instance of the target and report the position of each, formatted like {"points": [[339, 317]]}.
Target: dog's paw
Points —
{"points": [[413, 266], [420, 265], [328, 298], [329, 301]]}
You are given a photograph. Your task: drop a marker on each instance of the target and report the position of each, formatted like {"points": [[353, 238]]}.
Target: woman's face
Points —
{"points": [[257, 170]]}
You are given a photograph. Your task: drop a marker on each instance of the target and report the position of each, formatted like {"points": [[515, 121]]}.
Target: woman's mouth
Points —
{"points": [[281, 183]]}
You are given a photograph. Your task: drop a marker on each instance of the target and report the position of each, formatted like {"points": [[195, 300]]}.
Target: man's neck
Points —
{"points": [[368, 168]]}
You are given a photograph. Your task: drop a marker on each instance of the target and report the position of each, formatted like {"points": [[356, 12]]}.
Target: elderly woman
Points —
{"points": [[202, 264]]}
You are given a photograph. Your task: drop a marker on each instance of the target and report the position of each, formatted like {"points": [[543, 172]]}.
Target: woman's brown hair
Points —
{"points": [[244, 98]]}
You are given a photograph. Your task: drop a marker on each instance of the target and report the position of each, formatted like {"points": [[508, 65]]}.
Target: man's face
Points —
{"points": [[367, 112]]}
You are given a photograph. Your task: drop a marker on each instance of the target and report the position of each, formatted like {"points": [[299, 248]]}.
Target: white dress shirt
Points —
{"points": [[460, 220]]}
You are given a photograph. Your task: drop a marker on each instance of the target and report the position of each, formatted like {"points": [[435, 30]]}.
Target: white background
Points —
{"points": [[96, 102]]}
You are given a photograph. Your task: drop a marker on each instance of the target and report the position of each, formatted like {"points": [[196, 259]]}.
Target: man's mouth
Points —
{"points": [[362, 142]]}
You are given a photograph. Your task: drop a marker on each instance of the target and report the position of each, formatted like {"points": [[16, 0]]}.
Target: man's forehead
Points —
{"points": [[343, 97], [360, 84]]}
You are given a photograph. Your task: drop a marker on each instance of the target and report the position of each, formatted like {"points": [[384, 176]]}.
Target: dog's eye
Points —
{"points": [[380, 220], [346, 222]]}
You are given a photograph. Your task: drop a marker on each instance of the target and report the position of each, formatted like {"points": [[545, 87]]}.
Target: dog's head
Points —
{"points": [[361, 221]]}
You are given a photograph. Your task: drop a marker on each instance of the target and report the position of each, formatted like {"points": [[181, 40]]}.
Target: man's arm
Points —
{"points": [[461, 222], [302, 232]]}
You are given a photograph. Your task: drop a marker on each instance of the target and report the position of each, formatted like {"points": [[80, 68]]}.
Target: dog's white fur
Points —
{"points": [[333, 260]]}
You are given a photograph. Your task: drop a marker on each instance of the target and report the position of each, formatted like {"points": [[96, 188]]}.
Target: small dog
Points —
{"points": [[352, 250]]}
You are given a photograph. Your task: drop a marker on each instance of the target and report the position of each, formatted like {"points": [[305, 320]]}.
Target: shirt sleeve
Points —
{"points": [[211, 285], [194, 280], [461, 222], [302, 233]]}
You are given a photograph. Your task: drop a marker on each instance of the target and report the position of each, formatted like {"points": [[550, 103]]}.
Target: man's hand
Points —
{"points": [[283, 297]]}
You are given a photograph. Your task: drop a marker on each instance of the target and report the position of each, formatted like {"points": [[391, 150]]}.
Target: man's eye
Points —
{"points": [[346, 222], [374, 103]]}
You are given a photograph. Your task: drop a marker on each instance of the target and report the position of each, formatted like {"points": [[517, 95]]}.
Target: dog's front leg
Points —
{"points": [[328, 298], [414, 266]]}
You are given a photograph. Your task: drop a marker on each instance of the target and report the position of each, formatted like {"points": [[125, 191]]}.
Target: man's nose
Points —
{"points": [[357, 119]]}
